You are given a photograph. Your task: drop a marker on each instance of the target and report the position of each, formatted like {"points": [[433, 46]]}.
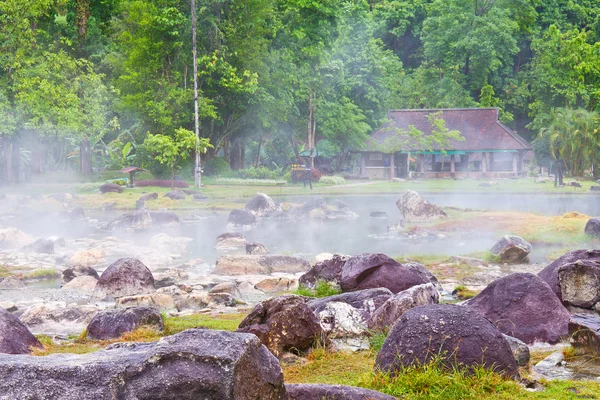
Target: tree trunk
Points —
{"points": [[85, 157], [258, 152], [172, 176], [311, 126], [197, 174]]}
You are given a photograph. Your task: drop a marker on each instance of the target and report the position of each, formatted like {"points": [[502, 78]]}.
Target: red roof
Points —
{"points": [[130, 169], [480, 127]]}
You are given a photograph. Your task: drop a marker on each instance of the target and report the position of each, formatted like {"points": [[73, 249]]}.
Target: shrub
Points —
{"points": [[322, 289], [315, 175], [256, 173], [120, 182], [333, 180], [217, 166], [88, 187], [287, 176], [240, 181], [162, 183]]}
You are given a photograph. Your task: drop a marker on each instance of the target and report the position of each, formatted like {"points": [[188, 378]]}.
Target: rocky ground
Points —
{"points": [[107, 286]]}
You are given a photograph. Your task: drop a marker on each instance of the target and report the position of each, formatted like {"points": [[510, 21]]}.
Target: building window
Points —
{"points": [[375, 156]]}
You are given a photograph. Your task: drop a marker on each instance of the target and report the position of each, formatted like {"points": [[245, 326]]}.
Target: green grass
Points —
{"points": [[226, 322], [46, 273], [322, 289], [431, 381], [464, 293], [485, 256]]}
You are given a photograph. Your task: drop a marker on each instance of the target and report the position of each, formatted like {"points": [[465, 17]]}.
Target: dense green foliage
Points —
{"points": [[83, 82]]}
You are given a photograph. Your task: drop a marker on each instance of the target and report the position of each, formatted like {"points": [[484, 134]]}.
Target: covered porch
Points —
{"points": [[442, 164]]}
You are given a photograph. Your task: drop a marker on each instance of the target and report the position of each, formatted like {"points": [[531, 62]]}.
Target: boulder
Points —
{"points": [[318, 203], [125, 277], [523, 306], [265, 264], [140, 205], [584, 334], [329, 270], [256, 248], [592, 227], [13, 239], [77, 213], [142, 219], [194, 364], [230, 240], [332, 392], [595, 188], [11, 283], [277, 285], [175, 195], [109, 205], [160, 301], [83, 283], [519, 349], [110, 188], [511, 249], [80, 270], [550, 273], [386, 316], [40, 246], [378, 215], [283, 323], [458, 334], [111, 324], [58, 318], [414, 208], [136, 220], [241, 218], [367, 271], [262, 204], [87, 258], [226, 287], [366, 301], [170, 245], [344, 326], [148, 197], [15, 338], [580, 283]]}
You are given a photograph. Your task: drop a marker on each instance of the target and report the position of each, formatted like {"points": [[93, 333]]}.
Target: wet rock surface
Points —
{"points": [[386, 316], [329, 270], [125, 277], [461, 335], [175, 195], [283, 323], [264, 264], [110, 188], [378, 270], [332, 392], [194, 364], [523, 306], [241, 218], [519, 349], [580, 283], [344, 326], [80, 270], [112, 324], [414, 208], [262, 204], [592, 227], [256, 248], [550, 273], [512, 249], [15, 338], [231, 240], [40, 246], [584, 333]]}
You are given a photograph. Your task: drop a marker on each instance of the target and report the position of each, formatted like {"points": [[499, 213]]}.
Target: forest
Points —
{"points": [[89, 85]]}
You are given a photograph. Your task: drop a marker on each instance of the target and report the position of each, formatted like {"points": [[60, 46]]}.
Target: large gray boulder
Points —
{"points": [[15, 338], [241, 218], [262, 204], [580, 283], [332, 392], [366, 301], [230, 240], [511, 249], [329, 271], [194, 364], [110, 188], [79, 270], [262, 264], [40, 246], [584, 334], [125, 277], [550, 273], [283, 323], [523, 306], [344, 326], [143, 219], [458, 334], [592, 227], [111, 324], [175, 195], [386, 316], [414, 208], [376, 270]]}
